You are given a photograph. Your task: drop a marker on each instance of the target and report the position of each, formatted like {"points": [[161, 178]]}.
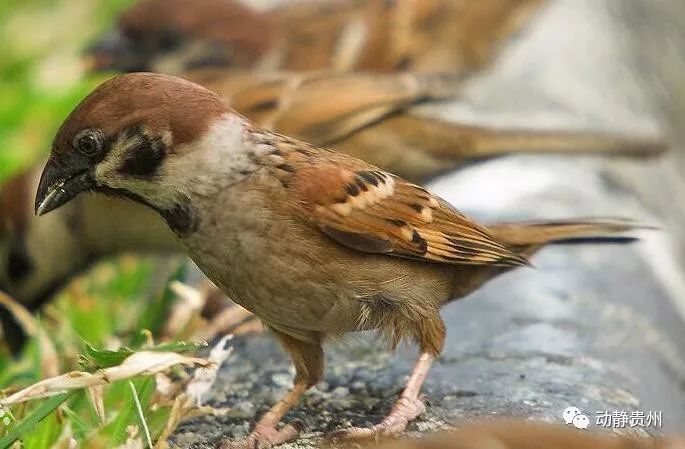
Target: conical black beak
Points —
{"points": [[59, 184]]}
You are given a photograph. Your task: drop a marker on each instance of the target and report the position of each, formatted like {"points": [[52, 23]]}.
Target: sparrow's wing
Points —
{"points": [[383, 36], [325, 107], [465, 36], [370, 210]]}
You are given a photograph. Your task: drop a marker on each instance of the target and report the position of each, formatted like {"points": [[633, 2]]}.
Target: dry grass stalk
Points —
{"points": [[145, 363]]}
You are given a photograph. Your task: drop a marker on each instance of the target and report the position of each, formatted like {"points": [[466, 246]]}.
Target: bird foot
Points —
{"points": [[263, 437], [403, 412]]}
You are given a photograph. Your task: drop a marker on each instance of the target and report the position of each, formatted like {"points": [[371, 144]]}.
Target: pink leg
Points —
{"points": [[266, 433], [407, 408], [308, 360]]}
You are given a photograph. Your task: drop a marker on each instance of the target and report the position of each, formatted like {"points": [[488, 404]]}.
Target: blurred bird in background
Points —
{"points": [[511, 434], [174, 36]]}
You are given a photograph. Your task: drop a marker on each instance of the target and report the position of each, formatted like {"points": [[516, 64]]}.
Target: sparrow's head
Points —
{"points": [[130, 137], [172, 36]]}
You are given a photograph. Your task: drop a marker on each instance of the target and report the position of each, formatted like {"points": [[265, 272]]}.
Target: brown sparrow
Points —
{"points": [[314, 242], [173, 36], [499, 434], [370, 116]]}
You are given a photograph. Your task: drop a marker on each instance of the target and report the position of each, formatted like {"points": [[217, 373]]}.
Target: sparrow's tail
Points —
{"points": [[467, 142], [528, 237]]}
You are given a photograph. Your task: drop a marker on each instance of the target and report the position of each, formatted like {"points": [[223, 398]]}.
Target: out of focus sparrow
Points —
{"points": [[314, 242], [173, 36], [371, 116], [510, 434]]}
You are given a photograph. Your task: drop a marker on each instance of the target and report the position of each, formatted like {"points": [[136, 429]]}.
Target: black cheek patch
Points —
{"points": [[182, 219], [145, 159]]}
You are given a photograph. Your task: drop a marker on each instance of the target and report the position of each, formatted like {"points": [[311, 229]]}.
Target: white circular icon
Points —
{"points": [[581, 422], [570, 413]]}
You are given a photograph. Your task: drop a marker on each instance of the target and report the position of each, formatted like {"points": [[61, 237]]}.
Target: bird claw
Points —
{"points": [[263, 437], [403, 412]]}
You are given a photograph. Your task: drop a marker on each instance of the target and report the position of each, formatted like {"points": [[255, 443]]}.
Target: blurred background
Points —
{"points": [[42, 71], [615, 318]]}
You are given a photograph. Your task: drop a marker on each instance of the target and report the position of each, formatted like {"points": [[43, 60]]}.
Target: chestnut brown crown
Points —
{"points": [[122, 133]]}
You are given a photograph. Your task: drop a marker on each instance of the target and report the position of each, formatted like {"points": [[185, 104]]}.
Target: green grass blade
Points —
{"points": [[105, 358], [30, 422]]}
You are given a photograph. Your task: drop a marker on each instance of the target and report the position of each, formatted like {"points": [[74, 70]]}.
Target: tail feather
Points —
{"points": [[453, 140], [527, 237], [494, 142]]}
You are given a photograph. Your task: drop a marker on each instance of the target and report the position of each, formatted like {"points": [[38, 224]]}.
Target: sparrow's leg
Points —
{"points": [[430, 334], [309, 363]]}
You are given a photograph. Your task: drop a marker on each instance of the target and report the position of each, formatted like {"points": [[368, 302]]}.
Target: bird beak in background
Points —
{"points": [[59, 183], [113, 52]]}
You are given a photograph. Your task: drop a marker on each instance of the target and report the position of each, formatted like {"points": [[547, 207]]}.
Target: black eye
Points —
{"points": [[88, 142]]}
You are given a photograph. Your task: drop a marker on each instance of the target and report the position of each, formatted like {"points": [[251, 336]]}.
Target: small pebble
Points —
{"points": [[341, 392], [282, 380], [246, 406]]}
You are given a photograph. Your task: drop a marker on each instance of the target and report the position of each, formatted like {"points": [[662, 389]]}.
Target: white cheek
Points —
{"points": [[212, 163], [107, 174]]}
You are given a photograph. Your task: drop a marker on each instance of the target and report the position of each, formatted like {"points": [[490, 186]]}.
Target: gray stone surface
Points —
{"points": [[597, 327]]}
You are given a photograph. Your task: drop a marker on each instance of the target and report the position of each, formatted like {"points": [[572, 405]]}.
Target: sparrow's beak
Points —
{"points": [[113, 52], [59, 183]]}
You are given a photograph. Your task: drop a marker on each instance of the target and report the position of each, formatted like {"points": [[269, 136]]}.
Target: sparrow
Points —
{"points": [[314, 242], [375, 117], [173, 36], [510, 434]]}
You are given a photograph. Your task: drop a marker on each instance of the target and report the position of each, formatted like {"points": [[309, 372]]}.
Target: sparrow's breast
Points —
{"points": [[291, 275]]}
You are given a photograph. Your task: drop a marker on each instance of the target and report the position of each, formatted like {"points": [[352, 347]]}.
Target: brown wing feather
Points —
{"points": [[367, 209]]}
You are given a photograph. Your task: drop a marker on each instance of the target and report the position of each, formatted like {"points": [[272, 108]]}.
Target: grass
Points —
{"points": [[110, 308], [41, 79]]}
